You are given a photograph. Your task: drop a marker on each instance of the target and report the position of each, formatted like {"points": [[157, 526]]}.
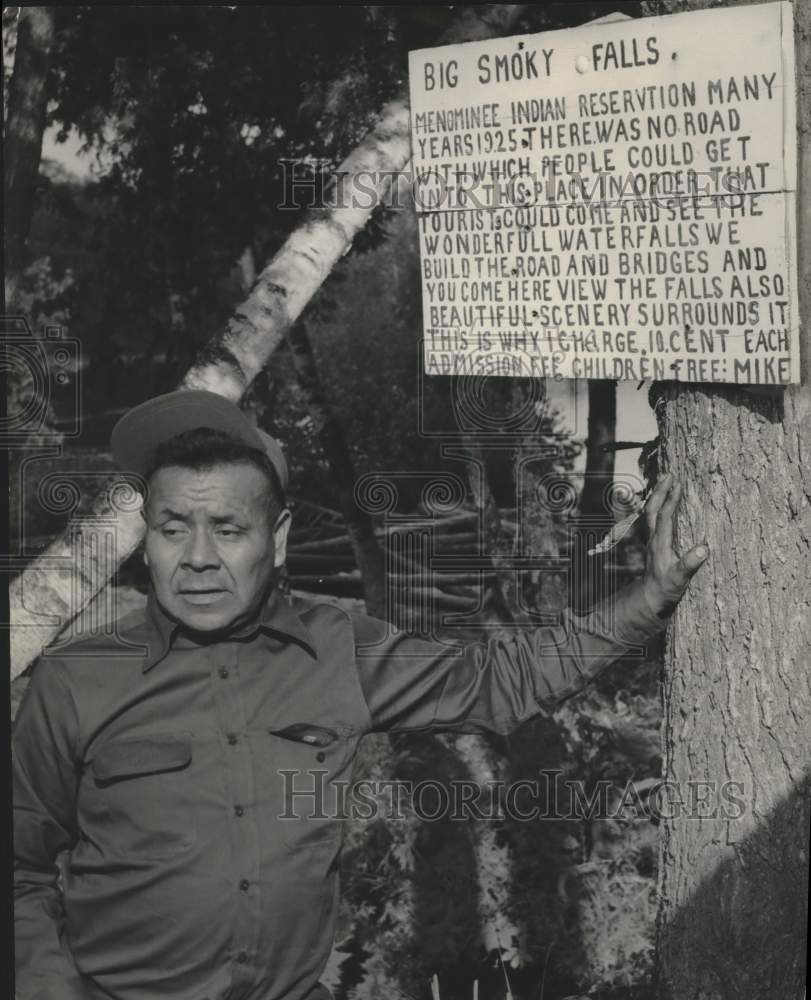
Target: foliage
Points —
{"points": [[42, 298], [653, 8], [10, 17], [581, 894], [194, 115], [611, 735]]}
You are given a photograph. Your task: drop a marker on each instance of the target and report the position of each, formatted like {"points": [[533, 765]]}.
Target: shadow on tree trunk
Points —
{"points": [[742, 933]]}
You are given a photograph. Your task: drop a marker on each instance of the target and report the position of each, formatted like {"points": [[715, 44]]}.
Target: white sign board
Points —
{"points": [[615, 200]]}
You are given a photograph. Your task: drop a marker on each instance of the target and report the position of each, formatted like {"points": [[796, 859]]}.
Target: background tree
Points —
{"points": [[600, 436], [360, 528], [24, 127], [597, 480]]}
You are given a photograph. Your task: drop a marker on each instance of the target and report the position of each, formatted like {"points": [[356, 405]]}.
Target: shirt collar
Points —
{"points": [[276, 617]]}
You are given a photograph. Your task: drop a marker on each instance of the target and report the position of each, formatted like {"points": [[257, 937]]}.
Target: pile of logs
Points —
{"points": [[440, 559], [320, 558]]}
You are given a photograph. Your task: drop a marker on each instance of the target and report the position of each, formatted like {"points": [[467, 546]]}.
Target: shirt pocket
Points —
{"points": [[309, 771], [142, 796]]}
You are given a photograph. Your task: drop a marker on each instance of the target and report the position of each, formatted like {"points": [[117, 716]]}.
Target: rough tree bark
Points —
{"points": [[53, 590], [737, 697], [25, 125], [369, 555]]}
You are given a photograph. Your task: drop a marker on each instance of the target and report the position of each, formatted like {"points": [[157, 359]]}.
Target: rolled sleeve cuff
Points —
{"points": [[635, 621]]}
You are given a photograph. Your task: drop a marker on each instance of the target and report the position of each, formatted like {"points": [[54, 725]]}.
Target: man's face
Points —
{"points": [[210, 547]]}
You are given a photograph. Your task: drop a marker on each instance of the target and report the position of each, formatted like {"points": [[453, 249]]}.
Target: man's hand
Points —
{"points": [[667, 575]]}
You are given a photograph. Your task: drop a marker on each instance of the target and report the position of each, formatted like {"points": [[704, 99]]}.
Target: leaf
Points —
{"points": [[623, 527], [616, 534]]}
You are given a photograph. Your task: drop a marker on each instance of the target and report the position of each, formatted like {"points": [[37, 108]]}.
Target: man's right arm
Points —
{"points": [[45, 777]]}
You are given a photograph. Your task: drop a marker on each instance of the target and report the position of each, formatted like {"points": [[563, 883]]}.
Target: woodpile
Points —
{"points": [[433, 558]]}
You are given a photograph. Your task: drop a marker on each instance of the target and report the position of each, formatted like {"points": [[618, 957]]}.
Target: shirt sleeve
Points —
{"points": [[412, 684], [44, 776]]}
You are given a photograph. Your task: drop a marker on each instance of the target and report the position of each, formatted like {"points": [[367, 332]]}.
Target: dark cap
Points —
{"points": [[142, 429]]}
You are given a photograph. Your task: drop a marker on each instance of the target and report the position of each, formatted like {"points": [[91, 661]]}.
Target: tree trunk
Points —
{"points": [[25, 125], [491, 854], [368, 553], [602, 424], [599, 474], [495, 541], [737, 699], [234, 358], [737, 696], [51, 591], [541, 589]]}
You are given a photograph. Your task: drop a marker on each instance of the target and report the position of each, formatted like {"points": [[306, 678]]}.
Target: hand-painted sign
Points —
{"points": [[612, 201]]}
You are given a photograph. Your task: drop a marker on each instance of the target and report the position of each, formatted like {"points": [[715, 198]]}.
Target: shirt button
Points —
{"points": [[223, 672], [239, 810], [242, 957], [244, 885], [232, 738]]}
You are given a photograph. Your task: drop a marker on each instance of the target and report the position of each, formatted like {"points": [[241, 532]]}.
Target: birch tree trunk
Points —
{"points": [[493, 857], [737, 697], [60, 582], [27, 105]]}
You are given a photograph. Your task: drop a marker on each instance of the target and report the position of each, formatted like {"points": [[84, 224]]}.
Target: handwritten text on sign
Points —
{"points": [[611, 201]]}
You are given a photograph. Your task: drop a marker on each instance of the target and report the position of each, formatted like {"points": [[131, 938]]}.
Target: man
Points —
{"points": [[151, 765]]}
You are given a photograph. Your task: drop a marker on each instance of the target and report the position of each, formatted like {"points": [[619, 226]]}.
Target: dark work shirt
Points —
{"points": [[147, 767]]}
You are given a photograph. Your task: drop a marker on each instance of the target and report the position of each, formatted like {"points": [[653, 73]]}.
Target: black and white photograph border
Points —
{"points": [[406, 425]]}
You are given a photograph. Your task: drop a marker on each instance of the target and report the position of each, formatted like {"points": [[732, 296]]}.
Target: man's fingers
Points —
{"points": [[672, 499], [656, 499], [666, 590], [664, 520], [691, 560], [661, 540]]}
